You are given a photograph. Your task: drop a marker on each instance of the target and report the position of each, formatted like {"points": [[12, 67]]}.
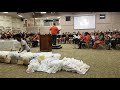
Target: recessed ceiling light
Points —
{"points": [[20, 15], [5, 12], [43, 12], [58, 17]]}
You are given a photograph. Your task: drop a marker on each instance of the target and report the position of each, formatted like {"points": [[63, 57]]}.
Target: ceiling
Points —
{"points": [[27, 15], [15, 14], [30, 14]]}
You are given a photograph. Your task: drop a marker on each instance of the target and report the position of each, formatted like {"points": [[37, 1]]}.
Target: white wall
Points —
{"points": [[111, 22], [9, 22]]}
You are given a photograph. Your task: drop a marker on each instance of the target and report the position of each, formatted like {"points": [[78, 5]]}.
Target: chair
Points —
{"points": [[88, 45], [102, 46], [70, 40]]}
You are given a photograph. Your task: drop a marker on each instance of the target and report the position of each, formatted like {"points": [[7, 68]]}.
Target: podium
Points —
{"points": [[45, 43]]}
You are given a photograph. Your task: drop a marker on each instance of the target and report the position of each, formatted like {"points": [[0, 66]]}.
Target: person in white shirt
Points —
{"points": [[92, 38], [76, 38], [24, 45]]}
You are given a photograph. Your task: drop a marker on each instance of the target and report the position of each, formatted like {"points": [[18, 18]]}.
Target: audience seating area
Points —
{"points": [[111, 39], [106, 44]]}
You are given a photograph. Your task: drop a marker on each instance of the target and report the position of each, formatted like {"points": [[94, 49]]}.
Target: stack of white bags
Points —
{"points": [[46, 62]]}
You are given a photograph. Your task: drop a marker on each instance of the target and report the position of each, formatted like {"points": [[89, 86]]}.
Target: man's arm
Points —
{"points": [[50, 31], [19, 49], [22, 49]]}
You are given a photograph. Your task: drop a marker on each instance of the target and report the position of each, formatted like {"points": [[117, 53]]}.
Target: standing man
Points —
{"points": [[53, 32]]}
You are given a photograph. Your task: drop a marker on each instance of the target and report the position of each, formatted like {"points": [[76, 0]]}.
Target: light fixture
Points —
{"points": [[43, 12], [20, 15], [102, 16], [58, 17], [5, 12]]}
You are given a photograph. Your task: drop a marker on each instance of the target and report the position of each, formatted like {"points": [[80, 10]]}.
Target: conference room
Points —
{"points": [[59, 44]]}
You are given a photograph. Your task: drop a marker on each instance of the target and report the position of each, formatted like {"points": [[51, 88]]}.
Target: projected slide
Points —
{"points": [[84, 22]]}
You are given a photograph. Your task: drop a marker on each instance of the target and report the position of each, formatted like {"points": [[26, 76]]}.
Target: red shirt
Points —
{"points": [[81, 37], [54, 30], [87, 38]]}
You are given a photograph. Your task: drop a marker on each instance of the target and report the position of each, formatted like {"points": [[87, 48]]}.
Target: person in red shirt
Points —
{"points": [[86, 39], [81, 37], [53, 31], [101, 40]]}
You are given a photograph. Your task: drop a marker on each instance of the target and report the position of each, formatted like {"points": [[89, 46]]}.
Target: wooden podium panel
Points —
{"points": [[46, 43]]}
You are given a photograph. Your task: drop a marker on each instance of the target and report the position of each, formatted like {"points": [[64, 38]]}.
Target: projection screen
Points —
{"points": [[84, 22]]}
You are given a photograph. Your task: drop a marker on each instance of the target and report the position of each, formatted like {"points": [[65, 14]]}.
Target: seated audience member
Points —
{"points": [[24, 45], [63, 38], [3, 36], [70, 38], [99, 41], [118, 38], [66, 37], [81, 36], [8, 35], [113, 40], [27, 39], [23, 35], [108, 39], [35, 41], [96, 36], [86, 39], [38, 37], [92, 38], [76, 38], [14, 36], [58, 38]]}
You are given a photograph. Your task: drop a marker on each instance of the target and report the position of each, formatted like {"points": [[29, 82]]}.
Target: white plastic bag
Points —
{"points": [[74, 65], [33, 66]]}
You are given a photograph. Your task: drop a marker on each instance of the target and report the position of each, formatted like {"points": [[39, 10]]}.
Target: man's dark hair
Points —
{"points": [[54, 24], [18, 36]]}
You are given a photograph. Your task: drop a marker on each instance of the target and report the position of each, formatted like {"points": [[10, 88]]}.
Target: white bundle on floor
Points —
{"points": [[33, 66], [46, 56], [56, 56], [45, 62], [27, 56], [3, 55], [74, 65], [50, 66], [13, 57], [23, 52]]}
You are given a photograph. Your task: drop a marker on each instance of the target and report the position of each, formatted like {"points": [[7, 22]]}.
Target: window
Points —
{"points": [[68, 18], [49, 22]]}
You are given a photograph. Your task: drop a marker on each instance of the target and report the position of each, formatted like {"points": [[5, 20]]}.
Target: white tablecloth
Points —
{"points": [[7, 45]]}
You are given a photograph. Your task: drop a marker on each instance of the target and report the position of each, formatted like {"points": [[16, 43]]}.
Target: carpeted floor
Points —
{"points": [[103, 64]]}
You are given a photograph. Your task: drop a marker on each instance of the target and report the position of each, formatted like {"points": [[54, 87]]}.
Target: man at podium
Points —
{"points": [[53, 31]]}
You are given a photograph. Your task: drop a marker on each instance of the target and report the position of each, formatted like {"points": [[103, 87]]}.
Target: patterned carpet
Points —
{"points": [[103, 64]]}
